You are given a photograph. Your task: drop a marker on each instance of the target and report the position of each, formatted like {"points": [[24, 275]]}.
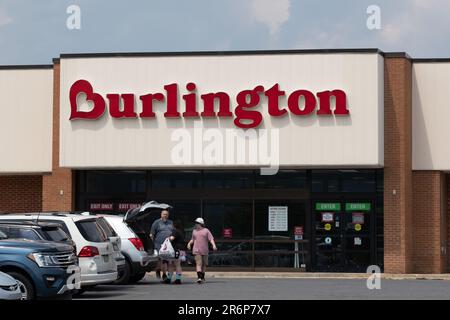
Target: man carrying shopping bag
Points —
{"points": [[201, 237], [160, 231]]}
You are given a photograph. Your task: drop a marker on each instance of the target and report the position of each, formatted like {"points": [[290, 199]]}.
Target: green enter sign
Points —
{"points": [[365, 206], [320, 206]]}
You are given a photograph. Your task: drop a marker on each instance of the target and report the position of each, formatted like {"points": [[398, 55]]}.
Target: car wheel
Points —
{"points": [[25, 285], [137, 277], [125, 275]]}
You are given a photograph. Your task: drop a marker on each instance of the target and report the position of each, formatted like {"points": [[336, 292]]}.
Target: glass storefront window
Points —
{"points": [[116, 182], [284, 179], [236, 204], [228, 179], [276, 246], [347, 181], [234, 246], [176, 179], [296, 216], [234, 216], [230, 259], [286, 260]]}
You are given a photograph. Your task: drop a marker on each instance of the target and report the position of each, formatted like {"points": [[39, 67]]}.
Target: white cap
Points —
{"points": [[200, 220]]}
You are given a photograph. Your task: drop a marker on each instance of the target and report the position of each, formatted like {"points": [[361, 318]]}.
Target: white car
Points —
{"points": [[94, 249], [9, 288], [138, 260], [116, 242]]}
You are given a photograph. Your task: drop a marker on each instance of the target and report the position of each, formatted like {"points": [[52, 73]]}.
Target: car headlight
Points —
{"points": [[42, 260]]}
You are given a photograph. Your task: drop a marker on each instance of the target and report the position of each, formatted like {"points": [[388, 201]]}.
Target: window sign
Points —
{"points": [[357, 206], [298, 232], [357, 218], [328, 206], [100, 206], [123, 207], [278, 218], [327, 216], [227, 233]]}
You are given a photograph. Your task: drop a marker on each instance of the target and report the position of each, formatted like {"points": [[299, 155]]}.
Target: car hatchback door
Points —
{"points": [[92, 232]]}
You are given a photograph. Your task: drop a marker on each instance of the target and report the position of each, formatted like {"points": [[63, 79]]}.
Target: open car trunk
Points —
{"points": [[140, 220]]}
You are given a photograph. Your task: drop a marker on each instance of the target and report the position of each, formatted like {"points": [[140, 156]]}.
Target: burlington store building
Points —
{"points": [[318, 160]]}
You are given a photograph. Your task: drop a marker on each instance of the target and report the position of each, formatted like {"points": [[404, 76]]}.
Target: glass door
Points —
{"points": [[358, 233], [328, 236], [342, 239]]}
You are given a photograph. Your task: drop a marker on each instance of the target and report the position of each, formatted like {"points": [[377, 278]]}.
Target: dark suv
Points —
{"points": [[43, 269]]}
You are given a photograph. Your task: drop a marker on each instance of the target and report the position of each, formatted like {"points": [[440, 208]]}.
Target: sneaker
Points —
{"points": [[177, 281], [199, 281]]}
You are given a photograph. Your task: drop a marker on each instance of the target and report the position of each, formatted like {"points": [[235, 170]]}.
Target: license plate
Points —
{"points": [[106, 258]]}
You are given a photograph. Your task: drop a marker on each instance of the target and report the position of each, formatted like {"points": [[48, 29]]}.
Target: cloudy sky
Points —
{"points": [[35, 31]]}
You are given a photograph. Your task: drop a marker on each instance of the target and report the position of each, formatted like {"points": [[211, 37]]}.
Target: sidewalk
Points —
{"points": [[314, 275]]}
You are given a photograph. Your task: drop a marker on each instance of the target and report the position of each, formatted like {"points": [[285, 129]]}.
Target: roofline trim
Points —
{"points": [[26, 67], [431, 60], [216, 53]]}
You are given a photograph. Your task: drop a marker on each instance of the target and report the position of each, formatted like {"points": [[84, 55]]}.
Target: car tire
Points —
{"points": [[25, 284], [124, 277], [137, 277]]}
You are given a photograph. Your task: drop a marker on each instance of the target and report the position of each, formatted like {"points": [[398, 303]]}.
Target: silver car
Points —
{"points": [[9, 288], [138, 259]]}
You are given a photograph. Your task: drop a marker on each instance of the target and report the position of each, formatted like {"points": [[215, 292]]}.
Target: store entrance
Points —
{"points": [[296, 220], [342, 239]]}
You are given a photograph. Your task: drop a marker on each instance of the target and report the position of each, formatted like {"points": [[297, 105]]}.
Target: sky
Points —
{"points": [[36, 31]]}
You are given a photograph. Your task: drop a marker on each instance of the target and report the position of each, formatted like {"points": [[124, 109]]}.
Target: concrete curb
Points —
{"points": [[314, 275]]}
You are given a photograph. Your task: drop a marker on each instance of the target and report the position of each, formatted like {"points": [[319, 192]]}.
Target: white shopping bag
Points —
{"points": [[182, 256], [166, 251]]}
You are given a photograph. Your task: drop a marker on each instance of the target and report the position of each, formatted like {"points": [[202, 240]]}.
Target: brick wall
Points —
{"points": [[60, 180], [398, 242], [429, 221], [20, 193]]}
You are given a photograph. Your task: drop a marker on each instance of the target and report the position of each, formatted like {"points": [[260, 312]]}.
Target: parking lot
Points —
{"points": [[271, 289]]}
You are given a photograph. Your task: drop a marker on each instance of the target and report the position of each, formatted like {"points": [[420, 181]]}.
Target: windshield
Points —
{"points": [[21, 233], [91, 231], [53, 234]]}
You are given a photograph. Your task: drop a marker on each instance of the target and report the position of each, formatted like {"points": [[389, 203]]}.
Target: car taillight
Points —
{"points": [[88, 252], [137, 243]]}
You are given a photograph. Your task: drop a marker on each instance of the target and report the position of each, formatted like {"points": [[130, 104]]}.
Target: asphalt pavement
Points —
{"points": [[272, 289]]}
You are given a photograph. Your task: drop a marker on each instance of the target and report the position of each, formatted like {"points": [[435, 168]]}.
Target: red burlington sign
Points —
{"points": [[299, 103]]}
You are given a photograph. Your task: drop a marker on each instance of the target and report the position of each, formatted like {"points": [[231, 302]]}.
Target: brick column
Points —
{"points": [[57, 186], [398, 224], [447, 213], [429, 221]]}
